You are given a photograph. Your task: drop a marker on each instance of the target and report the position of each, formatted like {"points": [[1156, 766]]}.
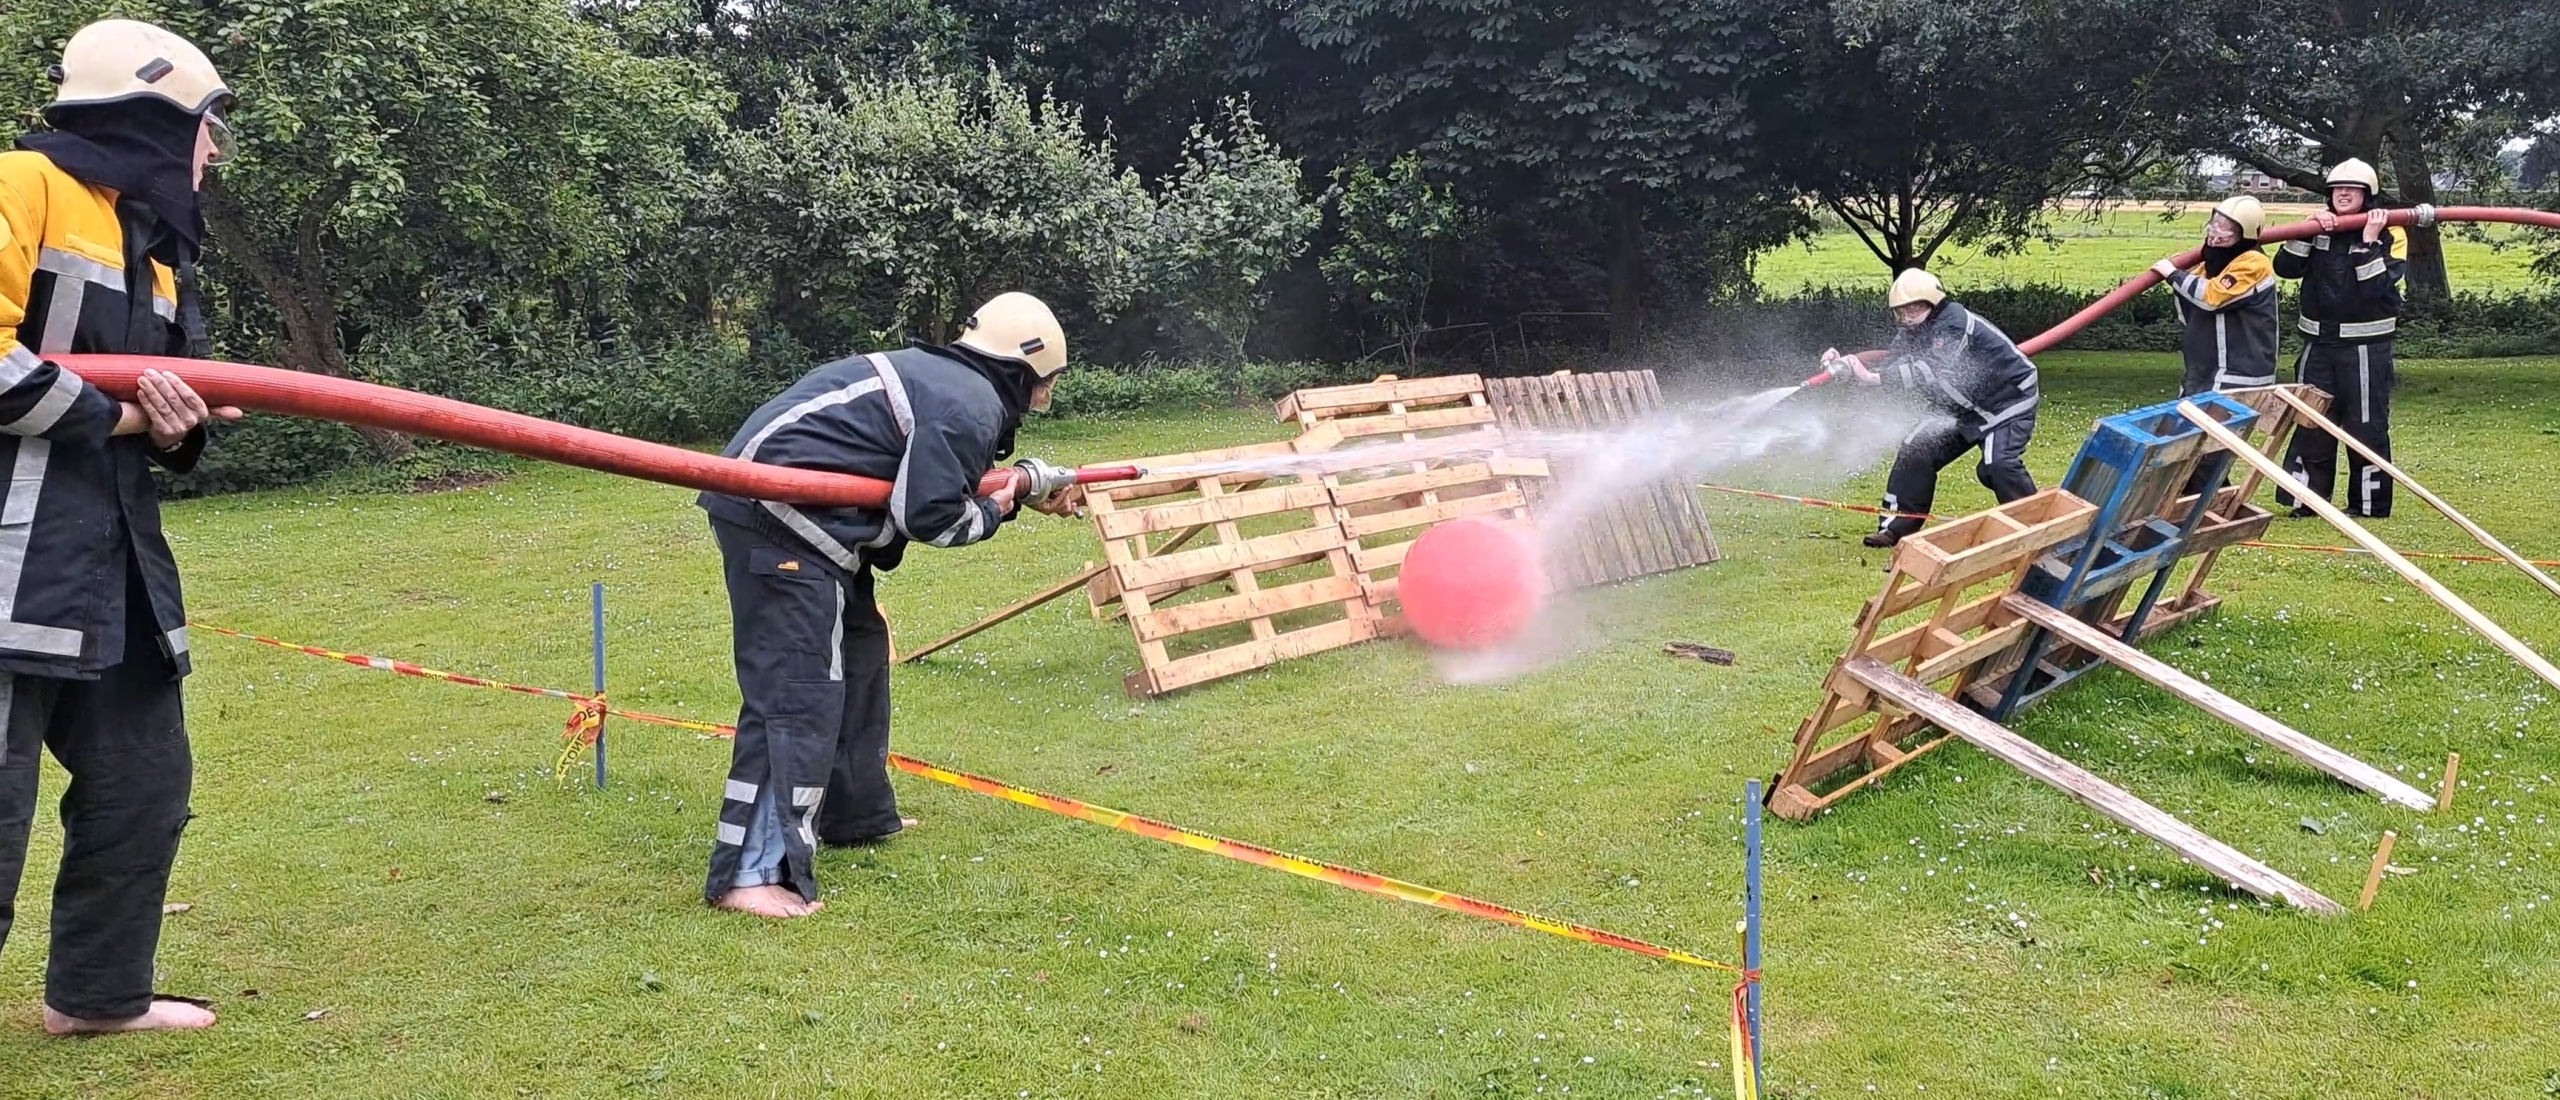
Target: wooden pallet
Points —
{"points": [[2233, 519], [1272, 580], [1656, 530], [1957, 573], [1450, 463]]}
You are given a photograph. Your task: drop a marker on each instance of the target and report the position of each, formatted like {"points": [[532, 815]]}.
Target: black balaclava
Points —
{"points": [[1013, 383], [2217, 257], [143, 149]]}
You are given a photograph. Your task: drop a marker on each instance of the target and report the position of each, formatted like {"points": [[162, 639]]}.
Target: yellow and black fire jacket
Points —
{"points": [[2231, 324], [78, 512]]}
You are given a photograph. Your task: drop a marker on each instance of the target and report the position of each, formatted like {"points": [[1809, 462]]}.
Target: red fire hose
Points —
{"points": [[2290, 231], [295, 393]]}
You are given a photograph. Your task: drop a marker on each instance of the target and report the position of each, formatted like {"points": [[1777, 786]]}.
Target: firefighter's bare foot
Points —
{"points": [[773, 902], [162, 1016]]}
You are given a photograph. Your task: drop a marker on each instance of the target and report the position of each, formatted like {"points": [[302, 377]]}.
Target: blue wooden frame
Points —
{"points": [[2133, 466]]}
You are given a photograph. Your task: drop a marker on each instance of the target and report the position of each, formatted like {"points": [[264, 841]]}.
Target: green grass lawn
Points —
{"points": [[2097, 254], [391, 898]]}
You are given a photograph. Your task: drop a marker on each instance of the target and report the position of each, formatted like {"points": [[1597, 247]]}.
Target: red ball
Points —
{"points": [[1471, 584]]}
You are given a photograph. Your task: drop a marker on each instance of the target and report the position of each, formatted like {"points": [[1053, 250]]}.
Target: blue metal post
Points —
{"points": [[599, 633], [1751, 913]]}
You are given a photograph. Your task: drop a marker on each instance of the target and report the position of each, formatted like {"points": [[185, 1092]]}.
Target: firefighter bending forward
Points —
{"points": [[810, 765], [1981, 389], [99, 230]]}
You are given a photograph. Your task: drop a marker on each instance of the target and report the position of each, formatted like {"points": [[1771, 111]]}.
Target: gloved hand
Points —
{"points": [[2164, 269]]}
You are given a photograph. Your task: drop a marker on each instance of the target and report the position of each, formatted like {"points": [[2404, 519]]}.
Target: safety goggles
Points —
{"points": [[218, 134]]}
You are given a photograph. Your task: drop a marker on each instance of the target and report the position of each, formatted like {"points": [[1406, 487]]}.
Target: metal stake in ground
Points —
{"points": [[599, 637], [1751, 915]]}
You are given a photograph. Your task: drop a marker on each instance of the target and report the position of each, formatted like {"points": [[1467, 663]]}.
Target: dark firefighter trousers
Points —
{"points": [[1936, 445], [810, 764], [2359, 379], [123, 739]]}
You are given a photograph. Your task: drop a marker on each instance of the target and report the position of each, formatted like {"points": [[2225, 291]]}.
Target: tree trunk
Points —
{"points": [[1626, 268], [2429, 284], [301, 296]]}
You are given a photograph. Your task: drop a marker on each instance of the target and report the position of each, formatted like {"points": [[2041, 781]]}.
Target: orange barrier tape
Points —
{"points": [[582, 725], [2254, 544]]}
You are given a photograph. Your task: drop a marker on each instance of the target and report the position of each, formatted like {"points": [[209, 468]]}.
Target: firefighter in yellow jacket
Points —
{"points": [[99, 233], [2227, 302]]}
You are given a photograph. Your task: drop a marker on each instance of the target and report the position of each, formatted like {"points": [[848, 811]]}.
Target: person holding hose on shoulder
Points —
{"points": [[2227, 302], [99, 234], [1983, 390], [2350, 308], [810, 763]]}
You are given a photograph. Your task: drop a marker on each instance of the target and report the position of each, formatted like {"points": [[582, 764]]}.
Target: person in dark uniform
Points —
{"points": [[1972, 376], [810, 764], [2227, 302], [2350, 309], [99, 230]]}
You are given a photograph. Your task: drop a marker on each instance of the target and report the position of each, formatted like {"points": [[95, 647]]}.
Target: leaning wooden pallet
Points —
{"points": [[1649, 528], [1965, 576], [1272, 580]]}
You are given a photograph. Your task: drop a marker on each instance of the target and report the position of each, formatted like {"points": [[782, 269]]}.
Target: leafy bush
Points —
{"points": [[1227, 220]]}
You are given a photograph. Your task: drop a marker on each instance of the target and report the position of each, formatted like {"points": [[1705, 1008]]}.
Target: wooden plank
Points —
{"points": [[2246, 719], [1635, 511], [1362, 492], [2435, 589], [1609, 520], [1653, 506], [1364, 526], [1169, 621], [1379, 394], [1036, 599], [2395, 473], [1222, 508], [1516, 403], [1901, 644], [1267, 552], [1971, 652], [1220, 663], [1428, 420], [1697, 537], [2115, 802]]}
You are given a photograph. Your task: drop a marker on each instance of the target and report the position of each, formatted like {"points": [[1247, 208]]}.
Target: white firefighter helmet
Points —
{"points": [[1915, 285], [2244, 211], [2352, 171], [1019, 327], [114, 60]]}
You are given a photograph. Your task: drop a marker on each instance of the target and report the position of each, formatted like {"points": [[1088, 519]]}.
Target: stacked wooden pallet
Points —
{"points": [[1448, 463]]}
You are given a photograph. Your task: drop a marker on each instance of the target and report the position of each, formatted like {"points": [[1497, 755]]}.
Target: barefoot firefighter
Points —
{"points": [[810, 765], [1981, 389], [99, 230]]}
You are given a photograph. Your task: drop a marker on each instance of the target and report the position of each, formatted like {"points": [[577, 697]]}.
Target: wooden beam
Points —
{"points": [[2313, 417], [2115, 802], [1034, 600], [2435, 589], [2248, 720]]}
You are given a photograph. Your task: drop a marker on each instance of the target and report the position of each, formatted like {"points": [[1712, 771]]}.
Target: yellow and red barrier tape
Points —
{"points": [[591, 710], [2255, 544]]}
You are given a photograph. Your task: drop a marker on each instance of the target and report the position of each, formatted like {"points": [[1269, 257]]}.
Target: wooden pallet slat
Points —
{"points": [[2117, 804]]}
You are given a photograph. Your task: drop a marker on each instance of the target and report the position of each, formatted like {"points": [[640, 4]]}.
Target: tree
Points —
{"points": [[2409, 86], [892, 206], [1228, 219], [1393, 225], [1610, 107], [1917, 124], [395, 148]]}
